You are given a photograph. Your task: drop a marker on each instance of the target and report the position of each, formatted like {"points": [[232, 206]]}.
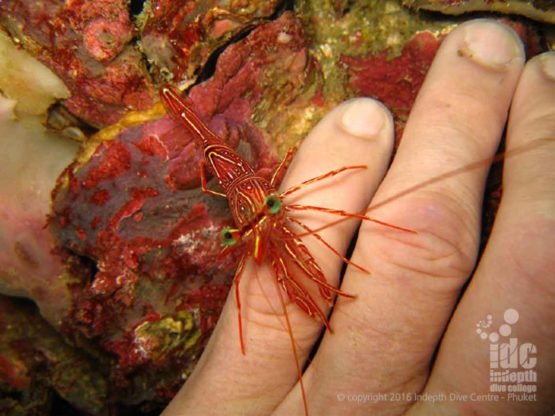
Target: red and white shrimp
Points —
{"points": [[264, 226]]}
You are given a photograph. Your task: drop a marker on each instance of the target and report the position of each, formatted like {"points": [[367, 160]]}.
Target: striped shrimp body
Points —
{"points": [[263, 224]]}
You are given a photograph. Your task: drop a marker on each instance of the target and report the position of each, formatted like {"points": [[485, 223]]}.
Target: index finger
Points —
{"points": [[359, 132]]}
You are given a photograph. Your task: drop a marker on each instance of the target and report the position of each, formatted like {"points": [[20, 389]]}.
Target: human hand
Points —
{"points": [[407, 333]]}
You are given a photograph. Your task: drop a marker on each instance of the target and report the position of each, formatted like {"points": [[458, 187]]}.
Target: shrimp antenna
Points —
{"points": [[474, 165]]}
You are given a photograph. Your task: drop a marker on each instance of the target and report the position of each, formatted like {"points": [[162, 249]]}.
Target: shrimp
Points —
{"points": [[264, 226]]}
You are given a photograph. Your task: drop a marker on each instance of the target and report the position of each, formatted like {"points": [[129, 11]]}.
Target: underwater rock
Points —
{"points": [[178, 37], [540, 10], [88, 45]]}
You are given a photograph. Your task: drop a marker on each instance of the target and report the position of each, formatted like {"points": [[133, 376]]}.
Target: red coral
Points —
{"points": [[395, 81], [179, 36], [115, 161], [135, 208], [13, 373], [87, 44]]}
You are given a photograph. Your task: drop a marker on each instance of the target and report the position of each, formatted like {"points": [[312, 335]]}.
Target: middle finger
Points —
{"points": [[385, 339]]}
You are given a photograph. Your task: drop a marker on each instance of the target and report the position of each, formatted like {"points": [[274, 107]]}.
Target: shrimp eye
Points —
{"points": [[273, 204], [230, 236]]}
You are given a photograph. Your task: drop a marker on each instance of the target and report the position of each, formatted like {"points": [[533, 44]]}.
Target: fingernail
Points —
{"points": [[363, 117], [548, 64], [491, 44]]}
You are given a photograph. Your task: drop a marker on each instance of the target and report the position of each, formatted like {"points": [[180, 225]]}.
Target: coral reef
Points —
{"points": [[124, 260]]}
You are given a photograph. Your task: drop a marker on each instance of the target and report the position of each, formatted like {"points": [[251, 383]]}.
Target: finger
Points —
{"points": [[514, 282], [402, 308], [227, 382]]}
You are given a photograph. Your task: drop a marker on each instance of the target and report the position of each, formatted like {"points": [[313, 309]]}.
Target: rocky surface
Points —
{"points": [[178, 37], [88, 45], [541, 10]]}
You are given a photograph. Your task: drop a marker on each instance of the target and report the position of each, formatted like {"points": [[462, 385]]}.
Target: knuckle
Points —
{"points": [[444, 247]]}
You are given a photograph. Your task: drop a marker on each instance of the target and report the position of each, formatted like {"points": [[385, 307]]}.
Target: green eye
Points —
{"points": [[273, 204], [230, 236]]}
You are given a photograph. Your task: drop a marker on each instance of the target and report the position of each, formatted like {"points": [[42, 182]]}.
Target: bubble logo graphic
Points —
{"points": [[510, 317], [511, 362]]}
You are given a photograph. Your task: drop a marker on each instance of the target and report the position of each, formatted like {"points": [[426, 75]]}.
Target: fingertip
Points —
{"points": [[358, 131], [365, 118], [461, 109], [490, 44], [548, 64], [527, 181], [533, 102]]}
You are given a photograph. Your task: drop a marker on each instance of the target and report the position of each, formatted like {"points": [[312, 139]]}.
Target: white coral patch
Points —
{"points": [[7, 107], [26, 80], [284, 37]]}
